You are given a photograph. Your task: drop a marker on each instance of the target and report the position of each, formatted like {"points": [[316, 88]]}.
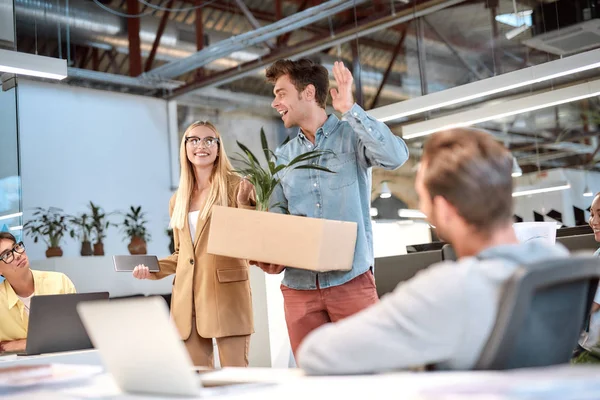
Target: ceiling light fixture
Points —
{"points": [[486, 87], [587, 192], [525, 191], [516, 171], [9, 216], [386, 193], [33, 65], [496, 111], [410, 213]]}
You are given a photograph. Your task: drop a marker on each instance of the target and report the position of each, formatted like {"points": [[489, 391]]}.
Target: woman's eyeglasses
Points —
{"points": [[9, 255], [206, 142]]}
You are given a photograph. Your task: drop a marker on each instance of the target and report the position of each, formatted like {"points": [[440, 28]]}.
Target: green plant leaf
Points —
{"points": [[251, 155], [318, 167], [264, 143], [308, 156]]}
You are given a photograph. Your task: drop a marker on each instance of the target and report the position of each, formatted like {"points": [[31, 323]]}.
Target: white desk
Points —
{"points": [[80, 357], [564, 382]]}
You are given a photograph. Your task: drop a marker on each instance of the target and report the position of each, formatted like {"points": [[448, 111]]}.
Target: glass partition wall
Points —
{"points": [[10, 181]]}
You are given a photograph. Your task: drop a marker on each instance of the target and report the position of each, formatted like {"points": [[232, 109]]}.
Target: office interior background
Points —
{"points": [[138, 72]]}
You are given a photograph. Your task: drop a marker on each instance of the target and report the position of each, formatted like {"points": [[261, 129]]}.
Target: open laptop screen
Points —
{"points": [[54, 324]]}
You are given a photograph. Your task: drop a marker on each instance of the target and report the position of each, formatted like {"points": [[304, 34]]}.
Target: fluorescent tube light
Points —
{"points": [[8, 216], [513, 33], [587, 192], [504, 109], [30, 64], [534, 190], [409, 213], [16, 228], [486, 87]]}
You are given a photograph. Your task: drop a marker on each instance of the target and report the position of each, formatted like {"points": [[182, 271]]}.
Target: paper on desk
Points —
{"points": [[27, 376], [529, 231], [231, 375]]}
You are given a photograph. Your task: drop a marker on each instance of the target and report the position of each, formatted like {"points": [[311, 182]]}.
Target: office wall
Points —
{"points": [[80, 144]]}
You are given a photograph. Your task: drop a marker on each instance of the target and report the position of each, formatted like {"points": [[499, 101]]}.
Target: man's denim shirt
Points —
{"points": [[358, 142]]}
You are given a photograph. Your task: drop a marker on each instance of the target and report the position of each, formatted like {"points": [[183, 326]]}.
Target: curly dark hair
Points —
{"points": [[302, 73]]}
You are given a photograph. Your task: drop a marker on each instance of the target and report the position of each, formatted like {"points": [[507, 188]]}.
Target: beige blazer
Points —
{"points": [[216, 288]]}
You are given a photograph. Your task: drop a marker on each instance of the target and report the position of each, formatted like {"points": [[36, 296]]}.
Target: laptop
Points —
{"points": [[54, 324], [128, 263], [140, 346]]}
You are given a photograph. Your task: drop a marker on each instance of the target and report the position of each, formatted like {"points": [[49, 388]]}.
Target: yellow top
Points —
{"points": [[13, 317]]}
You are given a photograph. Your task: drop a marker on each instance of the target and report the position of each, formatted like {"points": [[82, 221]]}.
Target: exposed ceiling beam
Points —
{"points": [[257, 36], [311, 46], [397, 49]]}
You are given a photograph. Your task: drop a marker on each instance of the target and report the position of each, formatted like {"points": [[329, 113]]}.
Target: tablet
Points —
{"points": [[128, 263]]}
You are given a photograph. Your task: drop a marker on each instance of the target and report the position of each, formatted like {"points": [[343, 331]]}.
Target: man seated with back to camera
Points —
{"points": [[445, 314], [19, 286]]}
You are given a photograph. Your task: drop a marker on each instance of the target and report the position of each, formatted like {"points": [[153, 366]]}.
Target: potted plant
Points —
{"points": [[134, 227], [169, 232], [266, 179], [100, 224], [50, 225], [82, 229]]}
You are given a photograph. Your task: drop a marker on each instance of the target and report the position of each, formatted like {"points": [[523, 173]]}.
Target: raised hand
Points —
{"points": [[342, 98]]}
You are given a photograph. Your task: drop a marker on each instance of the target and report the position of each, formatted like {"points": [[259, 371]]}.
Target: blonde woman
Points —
{"points": [[211, 294]]}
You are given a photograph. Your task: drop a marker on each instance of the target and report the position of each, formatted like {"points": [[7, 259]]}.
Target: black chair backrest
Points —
{"points": [[543, 309], [448, 253]]}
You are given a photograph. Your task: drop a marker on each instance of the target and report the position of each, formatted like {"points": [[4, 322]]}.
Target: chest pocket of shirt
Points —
{"points": [[344, 166]]}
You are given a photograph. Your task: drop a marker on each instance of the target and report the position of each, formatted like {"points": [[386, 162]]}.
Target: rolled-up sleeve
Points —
{"points": [[377, 145]]}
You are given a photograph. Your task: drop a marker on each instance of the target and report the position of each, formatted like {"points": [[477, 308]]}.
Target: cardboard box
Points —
{"points": [[300, 242]]}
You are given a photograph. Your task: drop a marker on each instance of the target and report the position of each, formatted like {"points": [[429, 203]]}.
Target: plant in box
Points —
{"points": [[50, 225], [266, 179]]}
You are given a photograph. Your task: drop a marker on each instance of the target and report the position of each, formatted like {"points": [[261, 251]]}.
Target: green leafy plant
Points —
{"points": [[134, 224], [50, 225], [100, 222], [169, 232], [81, 227], [266, 179]]}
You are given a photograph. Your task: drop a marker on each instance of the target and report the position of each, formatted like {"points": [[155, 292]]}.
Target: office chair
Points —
{"points": [[543, 310], [448, 253]]}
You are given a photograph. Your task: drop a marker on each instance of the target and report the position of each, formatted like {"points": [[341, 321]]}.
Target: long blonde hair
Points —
{"points": [[219, 180]]}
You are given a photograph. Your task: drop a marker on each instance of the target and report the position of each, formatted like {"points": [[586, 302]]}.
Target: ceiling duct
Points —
{"points": [[565, 27]]}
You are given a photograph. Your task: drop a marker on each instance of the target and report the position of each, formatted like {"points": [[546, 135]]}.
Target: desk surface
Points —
{"points": [[563, 382], [79, 357]]}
